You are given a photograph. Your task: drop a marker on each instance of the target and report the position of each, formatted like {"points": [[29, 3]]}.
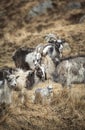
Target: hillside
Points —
{"points": [[25, 23]]}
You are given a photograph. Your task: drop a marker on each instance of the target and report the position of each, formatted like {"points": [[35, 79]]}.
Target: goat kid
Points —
{"points": [[43, 95]]}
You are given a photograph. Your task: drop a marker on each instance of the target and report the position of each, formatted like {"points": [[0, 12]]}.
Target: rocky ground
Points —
{"points": [[25, 23]]}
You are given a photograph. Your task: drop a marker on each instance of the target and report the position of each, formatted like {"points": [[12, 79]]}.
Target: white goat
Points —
{"points": [[27, 79], [43, 95], [6, 86], [21, 82]]}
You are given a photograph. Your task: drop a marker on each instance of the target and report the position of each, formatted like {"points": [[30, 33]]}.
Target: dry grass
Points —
{"points": [[64, 112], [67, 109]]}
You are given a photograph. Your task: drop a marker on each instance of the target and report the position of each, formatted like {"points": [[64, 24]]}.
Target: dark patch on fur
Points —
{"points": [[30, 80], [19, 58], [39, 72], [1, 75], [75, 71]]}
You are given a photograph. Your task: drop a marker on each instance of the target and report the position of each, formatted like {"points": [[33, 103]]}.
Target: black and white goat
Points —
{"points": [[24, 57], [8, 83], [28, 79], [54, 47]]}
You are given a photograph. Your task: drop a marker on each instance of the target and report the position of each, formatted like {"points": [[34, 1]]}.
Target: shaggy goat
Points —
{"points": [[7, 84], [27, 79], [54, 47], [26, 58], [21, 82], [70, 70]]}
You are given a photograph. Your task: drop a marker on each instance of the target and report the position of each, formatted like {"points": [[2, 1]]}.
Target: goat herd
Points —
{"points": [[34, 65]]}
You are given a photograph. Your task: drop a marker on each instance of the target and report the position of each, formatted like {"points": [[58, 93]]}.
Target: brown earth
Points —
{"points": [[67, 110]]}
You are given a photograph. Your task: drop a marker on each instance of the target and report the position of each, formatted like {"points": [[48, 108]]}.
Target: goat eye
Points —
{"points": [[9, 80]]}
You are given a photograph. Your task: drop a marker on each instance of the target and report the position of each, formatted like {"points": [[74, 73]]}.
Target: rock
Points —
{"points": [[82, 19], [39, 9], [74, 5]]}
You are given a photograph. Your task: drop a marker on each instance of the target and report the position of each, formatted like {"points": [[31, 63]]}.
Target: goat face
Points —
{"points": [[6, 85], [51, 50], [54, 41], [59, 44], [6, 74], [40, 72], [50, 38], [11, 81]]}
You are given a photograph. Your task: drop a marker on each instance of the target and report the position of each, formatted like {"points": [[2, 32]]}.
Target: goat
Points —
{"points": [[24, 58], [43, 95], [70, 70], [27, 79], [7, 84], [21, 82], [54, 46]]}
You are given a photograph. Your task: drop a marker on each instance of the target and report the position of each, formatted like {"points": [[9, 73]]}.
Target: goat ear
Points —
{"points": [[1, 74], [11, 70], [5, 74]]}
